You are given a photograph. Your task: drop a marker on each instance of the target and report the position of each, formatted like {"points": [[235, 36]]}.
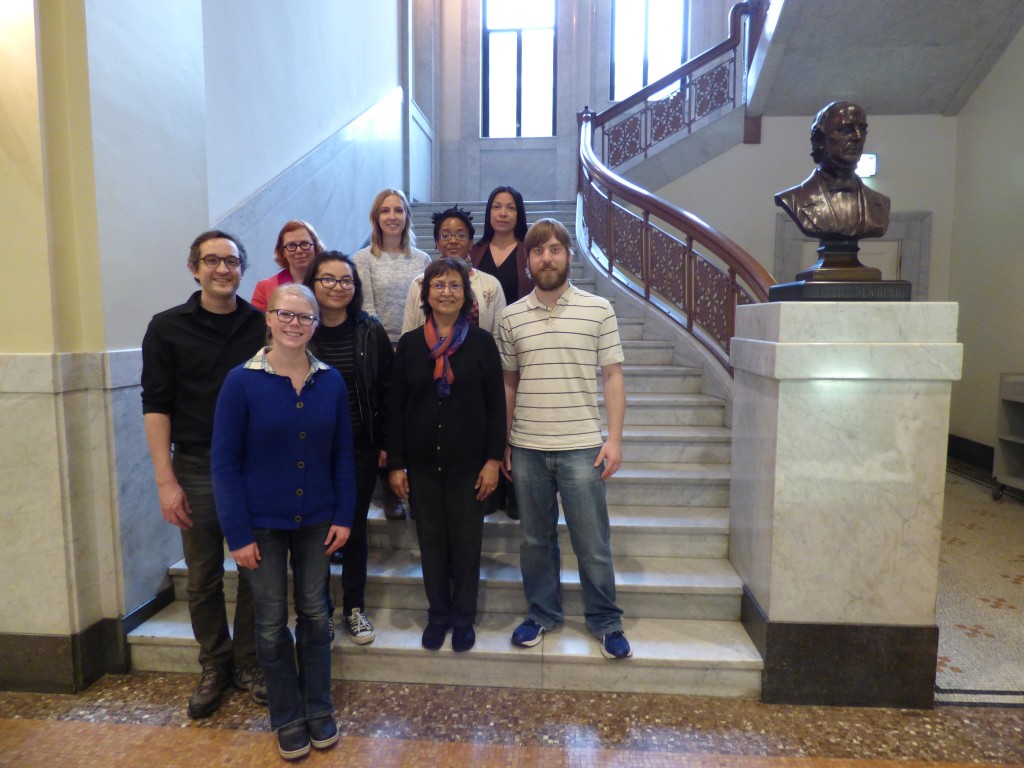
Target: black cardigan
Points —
{"points": [[456, 433]]}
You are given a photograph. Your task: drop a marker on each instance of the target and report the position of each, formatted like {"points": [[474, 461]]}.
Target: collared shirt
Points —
{"points": [[186, 353], [556, 353], [259, 362]]}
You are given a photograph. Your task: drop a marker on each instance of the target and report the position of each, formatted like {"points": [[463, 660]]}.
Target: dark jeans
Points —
{"points": [[203, 545], [296, 693], [449, 526], [356, 550]]}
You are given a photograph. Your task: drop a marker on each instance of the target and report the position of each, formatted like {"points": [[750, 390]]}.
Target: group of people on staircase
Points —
{"points": [[270, 422]]}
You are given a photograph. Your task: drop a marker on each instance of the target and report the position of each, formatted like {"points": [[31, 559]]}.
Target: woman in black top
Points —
{"points": [[446, 439], [357, 345], [501, 252]]}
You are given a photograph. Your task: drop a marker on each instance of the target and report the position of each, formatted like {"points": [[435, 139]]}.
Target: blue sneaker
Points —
{"points": [[527, 634], [614, 645]]}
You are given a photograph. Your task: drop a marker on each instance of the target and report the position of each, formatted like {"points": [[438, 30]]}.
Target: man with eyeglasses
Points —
{"points": [[453, 236], [186, 353]]}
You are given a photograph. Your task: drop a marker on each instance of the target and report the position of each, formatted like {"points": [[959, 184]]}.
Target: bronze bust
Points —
{"points": [[833, 202]]}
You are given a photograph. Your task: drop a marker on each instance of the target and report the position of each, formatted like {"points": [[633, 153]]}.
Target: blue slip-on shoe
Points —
{"points": [[323, 731], [614, 645], [527, 634], [293, 741]]}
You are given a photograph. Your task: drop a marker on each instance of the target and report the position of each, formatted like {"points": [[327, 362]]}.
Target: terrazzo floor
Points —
{"points": [[140, 720]]}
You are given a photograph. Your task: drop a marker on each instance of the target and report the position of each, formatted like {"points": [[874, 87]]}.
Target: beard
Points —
{"points": [[550, 280]]}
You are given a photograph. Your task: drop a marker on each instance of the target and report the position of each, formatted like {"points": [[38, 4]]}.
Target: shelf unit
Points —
{"points": [[1008, 469]]}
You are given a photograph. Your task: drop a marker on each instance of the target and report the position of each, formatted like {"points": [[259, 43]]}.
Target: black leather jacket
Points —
{"points": [[374, 359]]}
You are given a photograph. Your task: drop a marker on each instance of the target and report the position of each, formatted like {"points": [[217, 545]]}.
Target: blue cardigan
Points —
{"points": [[281, 460]]}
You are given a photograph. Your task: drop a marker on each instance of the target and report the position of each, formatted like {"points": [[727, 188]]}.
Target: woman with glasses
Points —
{"points": [[356, 344], [390, 262], [446, 438], [284, 484], [297, 246]]}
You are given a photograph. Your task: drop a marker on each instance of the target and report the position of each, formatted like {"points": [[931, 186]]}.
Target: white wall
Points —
{"points": [[281, 77], [988, 252]]}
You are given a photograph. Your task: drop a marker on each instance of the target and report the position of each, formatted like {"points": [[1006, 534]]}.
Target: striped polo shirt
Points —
{"points": [[556, 352]]}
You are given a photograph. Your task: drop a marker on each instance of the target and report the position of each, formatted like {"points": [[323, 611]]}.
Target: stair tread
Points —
{"points": [[668, 398], [679, 642], [660, 471], [673, 432]]}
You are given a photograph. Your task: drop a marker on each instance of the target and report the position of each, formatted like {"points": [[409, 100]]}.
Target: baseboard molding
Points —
{"points": [[71, 663], [976, 454], [855, 665]]}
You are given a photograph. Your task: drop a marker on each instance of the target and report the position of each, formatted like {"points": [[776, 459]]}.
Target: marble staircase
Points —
{"points": [[669, 508]]}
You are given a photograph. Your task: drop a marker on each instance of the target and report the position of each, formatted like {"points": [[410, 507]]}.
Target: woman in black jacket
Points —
{"points": [[446, 439], [357, 345]]}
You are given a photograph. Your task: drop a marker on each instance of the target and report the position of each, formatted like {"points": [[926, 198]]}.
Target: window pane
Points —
{"points": [[501, 84], [538, 81], [665, 38], [629, 49], [515, 14]]}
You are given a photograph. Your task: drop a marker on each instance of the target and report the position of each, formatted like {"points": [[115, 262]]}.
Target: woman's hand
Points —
{"points": [[336, 538], [487, 480], [399, 482], [382, 460], [247, 557]]}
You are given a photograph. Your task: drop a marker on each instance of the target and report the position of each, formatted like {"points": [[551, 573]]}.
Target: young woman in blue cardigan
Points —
{"points": [[284, 482]]}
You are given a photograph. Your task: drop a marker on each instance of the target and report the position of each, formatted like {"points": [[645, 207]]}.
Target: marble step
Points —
{"points": [[663, 379], [670, 656], [648, 352], [643, 484], [684, 444], [631, 328], [669, 531], [653, 587], [650, 409]]}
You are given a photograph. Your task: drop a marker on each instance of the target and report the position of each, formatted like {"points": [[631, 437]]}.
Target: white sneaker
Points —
{"points": [[360, 630]]}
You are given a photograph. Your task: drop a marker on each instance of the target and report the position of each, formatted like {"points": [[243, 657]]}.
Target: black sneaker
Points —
{"points": [[360, 630], [206, 698], [251, 679], [323, 731], [463, 638], [293, 741], [433, 636]]}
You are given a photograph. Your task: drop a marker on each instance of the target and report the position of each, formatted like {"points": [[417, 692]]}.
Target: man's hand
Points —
{"points": [[506, 465], [247, 557], [611, 455], [174, 505], [336, 538], [399, 483]]}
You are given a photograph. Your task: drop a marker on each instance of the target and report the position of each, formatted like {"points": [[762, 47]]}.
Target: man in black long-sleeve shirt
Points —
{"points": [[186, 353]]}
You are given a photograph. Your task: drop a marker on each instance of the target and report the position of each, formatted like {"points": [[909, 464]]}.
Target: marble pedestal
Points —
{"points": [[840, 426]]}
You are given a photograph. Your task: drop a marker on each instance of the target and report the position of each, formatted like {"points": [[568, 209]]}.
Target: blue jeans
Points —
{"points": [[303, 693], [540, 476]]}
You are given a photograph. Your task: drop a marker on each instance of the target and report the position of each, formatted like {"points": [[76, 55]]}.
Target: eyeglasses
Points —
{"points": [[304, 245], [214, 262], [286, 316], [440, 287], [345, 283], [446, 236]]}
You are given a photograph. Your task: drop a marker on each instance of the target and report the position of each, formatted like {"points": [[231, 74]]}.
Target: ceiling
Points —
{"points": [[892, 57]]}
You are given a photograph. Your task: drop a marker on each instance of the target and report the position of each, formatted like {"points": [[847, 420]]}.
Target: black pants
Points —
{"points": [[355, 552], [203, 545], [449, 526]]}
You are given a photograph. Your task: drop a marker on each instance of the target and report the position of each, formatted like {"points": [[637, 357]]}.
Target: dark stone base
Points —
{"points": [[71, 663], [811, 290], [855, 665], [976, 454]]}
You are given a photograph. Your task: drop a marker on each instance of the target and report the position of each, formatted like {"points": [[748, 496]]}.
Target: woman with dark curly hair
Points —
{"points": [[446, 439]]}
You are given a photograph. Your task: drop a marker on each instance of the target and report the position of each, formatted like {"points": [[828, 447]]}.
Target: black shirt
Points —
{"points": [[336, 346], [186, 353], [507, 274]]}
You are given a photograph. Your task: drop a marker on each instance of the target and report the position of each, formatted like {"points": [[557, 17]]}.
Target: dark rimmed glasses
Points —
{"points": [[345, 283], [214, 262], [304, 245], [286, 316]]}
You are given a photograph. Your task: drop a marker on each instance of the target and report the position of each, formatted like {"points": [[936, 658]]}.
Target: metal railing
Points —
{"points": [[676, 261]]}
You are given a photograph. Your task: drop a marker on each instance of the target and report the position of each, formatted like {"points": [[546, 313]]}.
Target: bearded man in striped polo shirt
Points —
{"points": [[552, 341]]}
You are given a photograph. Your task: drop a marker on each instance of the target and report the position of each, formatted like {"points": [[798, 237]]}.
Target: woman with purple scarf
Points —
{"points": [[446, 439]]}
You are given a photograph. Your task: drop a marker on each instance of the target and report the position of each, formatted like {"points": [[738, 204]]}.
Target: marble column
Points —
{"points": [[840, 426]]}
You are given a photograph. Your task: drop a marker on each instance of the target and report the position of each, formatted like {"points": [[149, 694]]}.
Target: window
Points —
{"points": [[649, 40], [518, 68]]}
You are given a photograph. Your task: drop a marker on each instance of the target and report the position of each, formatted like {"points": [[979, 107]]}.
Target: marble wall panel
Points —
{"points": [[33, 553]]}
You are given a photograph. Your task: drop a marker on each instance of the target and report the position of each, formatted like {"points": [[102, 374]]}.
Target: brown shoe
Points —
{"points": [[393, 509], [206, 698]]}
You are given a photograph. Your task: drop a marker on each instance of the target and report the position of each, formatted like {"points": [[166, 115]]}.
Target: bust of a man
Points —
{"points": [[833, 202]]}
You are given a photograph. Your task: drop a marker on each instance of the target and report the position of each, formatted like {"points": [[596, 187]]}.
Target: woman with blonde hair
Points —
{"points": [[391, 262], [297, 246]]}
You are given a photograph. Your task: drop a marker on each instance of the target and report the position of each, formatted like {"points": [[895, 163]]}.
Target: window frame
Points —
{"points": [[684, 53], [485, 71]]}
